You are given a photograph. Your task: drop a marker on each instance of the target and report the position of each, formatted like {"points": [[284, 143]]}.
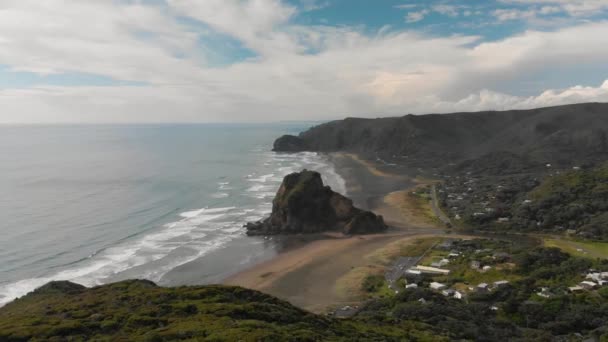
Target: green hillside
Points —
{"points": [[138, 310], [575, 201]]}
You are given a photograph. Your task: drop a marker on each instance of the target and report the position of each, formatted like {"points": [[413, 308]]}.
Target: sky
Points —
{"points": [[152, 61]]}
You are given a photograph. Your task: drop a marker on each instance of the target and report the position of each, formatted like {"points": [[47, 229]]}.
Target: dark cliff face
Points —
{"points": [[289, 143], [304, 205], [573, 133]]}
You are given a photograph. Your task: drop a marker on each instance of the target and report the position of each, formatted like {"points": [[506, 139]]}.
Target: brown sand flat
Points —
{"points": [[307, 276]]}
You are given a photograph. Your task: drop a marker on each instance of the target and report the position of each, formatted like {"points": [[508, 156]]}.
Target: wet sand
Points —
{"points": [[307, 274]]}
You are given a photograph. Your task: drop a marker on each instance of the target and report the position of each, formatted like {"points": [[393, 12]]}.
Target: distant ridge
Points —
{"points": [[562, 135]]}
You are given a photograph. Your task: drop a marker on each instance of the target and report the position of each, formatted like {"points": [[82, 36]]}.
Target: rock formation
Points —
{"points": [[304, 205], [289, 143]]}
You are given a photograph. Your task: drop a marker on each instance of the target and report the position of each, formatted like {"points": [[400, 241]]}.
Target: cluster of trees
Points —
{"points": [[514, 311], [575, 200]]}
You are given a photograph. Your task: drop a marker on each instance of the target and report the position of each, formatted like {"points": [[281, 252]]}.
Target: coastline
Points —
{"points": [[310, 274]]}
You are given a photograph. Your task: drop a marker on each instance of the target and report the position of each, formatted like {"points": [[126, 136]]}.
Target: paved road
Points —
{"points": [[435, 205]]}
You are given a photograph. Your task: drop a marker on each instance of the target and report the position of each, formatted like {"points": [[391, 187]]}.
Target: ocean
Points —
{"points": [[100, 203]]}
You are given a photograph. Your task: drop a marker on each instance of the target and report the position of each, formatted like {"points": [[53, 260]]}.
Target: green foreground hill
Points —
{"points": [[138, 310]]}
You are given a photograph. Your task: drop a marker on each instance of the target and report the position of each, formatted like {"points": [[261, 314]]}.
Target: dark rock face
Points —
{"points": [[289, 143], [304, 205], [572, 133], [60, 286]]}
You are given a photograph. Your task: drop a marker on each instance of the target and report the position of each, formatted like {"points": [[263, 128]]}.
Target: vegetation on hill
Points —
{"points": [[139, 310], [573, 202], [558, 135], [535, 304]]}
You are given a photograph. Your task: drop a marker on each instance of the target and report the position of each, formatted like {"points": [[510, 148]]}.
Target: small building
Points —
{"points": [[544, 292], [443, 262], [501, 283], [483, 287], [475, 264], [431, 270], [411, 286], [422, 300], [587, 285], [346, 312], [437, 286], [576, 288], [486, 268], [448, 292], [458, 295], [503, 219], [501, 256]]}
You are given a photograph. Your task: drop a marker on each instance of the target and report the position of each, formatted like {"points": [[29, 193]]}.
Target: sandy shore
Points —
{"points": [[308, 276]]}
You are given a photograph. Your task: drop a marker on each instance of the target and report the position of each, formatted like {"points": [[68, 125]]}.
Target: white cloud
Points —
{"points": [[572, 7], [406, 6], [449, 10], [350, 73], [254, 22], [413, 17], [513, 14]]}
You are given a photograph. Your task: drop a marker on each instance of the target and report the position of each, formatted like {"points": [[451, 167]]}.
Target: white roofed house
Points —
{"points": [[500, 283], [587, 285], [448, 292], [483, 287], [437, 286]]}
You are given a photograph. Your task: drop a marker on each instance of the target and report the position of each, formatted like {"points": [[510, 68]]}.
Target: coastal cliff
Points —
{"points": [[303, 204], [558, 135]]}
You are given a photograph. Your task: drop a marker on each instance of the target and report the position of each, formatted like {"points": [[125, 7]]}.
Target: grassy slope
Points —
{"points": [[139, 310], [584, 249]]}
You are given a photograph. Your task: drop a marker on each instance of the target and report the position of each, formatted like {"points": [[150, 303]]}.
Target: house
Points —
{"points": [[453, 254], [575, 289], [411, 286], [486, 268], [431, 270], [437, 286], [458, 295], [422, 300], [436, 264], [544, 292], [443, 262], [503, 219], [501, 283], [501, 256], [587, 285], [483, 287], [448, 292], [475, 264]]}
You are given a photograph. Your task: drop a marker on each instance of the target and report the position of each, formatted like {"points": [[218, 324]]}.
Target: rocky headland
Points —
{"points": [[304, 205]]}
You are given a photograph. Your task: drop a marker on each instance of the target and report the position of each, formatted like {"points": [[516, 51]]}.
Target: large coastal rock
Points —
{"points": [[289, 143], [304, 205]]}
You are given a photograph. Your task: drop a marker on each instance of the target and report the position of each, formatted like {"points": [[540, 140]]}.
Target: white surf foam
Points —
{"points": [[197, 233]]}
